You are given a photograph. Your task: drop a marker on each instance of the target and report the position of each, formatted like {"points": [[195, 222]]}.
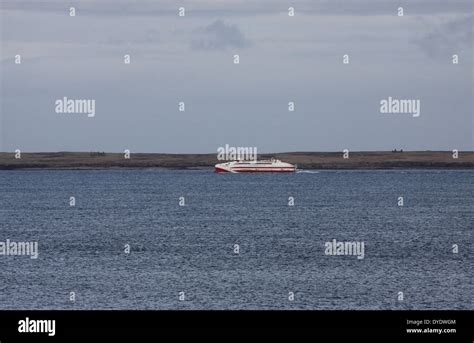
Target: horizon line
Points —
{"points": [[211, 153]]}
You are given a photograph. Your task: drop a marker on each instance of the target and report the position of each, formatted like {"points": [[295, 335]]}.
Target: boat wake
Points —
{"points": [[307, 172]]}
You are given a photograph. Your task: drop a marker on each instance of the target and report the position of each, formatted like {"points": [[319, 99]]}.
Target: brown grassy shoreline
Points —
{"points": [[304, 160]]}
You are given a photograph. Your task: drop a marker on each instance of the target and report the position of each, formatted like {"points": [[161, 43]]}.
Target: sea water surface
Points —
{"points": [[281, 248]]}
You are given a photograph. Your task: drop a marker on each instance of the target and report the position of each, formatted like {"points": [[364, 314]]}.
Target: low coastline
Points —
{"points": [[304, 160]]}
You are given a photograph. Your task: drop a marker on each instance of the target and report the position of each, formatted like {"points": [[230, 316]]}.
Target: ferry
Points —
{"points": [[268, 166]]}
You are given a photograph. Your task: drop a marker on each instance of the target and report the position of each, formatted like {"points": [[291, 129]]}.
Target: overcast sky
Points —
{"points": [[282, 59]]}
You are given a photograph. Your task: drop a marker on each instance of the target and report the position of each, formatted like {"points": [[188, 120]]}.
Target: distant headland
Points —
{"points": [[304, 160]]}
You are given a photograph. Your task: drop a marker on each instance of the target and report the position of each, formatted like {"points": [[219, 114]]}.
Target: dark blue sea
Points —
{"points": [[191, 248]]}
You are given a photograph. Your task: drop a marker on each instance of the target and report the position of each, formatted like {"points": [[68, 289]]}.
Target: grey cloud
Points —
{"points": [[219, 36], [448, 38]]}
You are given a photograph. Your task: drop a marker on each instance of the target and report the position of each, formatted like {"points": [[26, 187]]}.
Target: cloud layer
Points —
{"points": [[190, 59], [219, 36], [453, 36]]}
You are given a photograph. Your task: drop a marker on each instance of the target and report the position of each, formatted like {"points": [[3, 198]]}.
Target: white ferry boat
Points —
{"points": [[267, 166]]}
